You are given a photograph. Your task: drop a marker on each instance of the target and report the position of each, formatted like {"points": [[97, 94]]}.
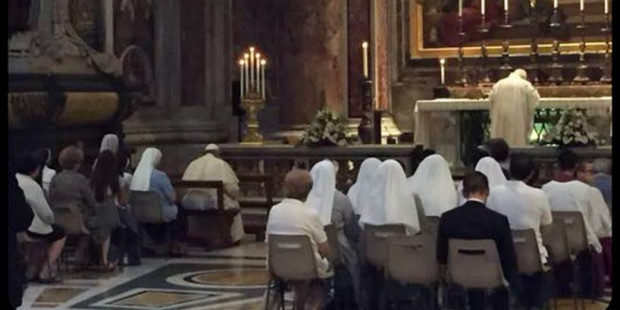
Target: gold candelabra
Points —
{"points": [[252, 103], [582, 77], [252, 73]]}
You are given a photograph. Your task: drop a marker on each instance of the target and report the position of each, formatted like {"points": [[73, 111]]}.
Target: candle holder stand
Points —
{"points": [[461, 79], [505, 67], [365, 128], [555, 77], [582, 75], [252, 102], [606, 77], [484, 30], [533, 68]]}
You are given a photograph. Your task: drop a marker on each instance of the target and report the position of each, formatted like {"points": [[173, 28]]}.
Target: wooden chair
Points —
{"points": [[71, 220], [146, 208], [209, 228], [256, 223]]}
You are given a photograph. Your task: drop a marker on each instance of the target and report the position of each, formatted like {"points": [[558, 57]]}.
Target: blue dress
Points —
{"points": [[161, 183]]}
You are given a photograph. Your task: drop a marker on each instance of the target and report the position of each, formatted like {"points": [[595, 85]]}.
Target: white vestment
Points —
{"points": [[391, 201], [578, 196], [358, 193], [513, 101], [433, 184], [525, 207], [211, 168]]}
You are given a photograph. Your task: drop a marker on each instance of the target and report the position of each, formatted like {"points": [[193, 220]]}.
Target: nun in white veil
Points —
{"points": [[492, 170], [391, 200], [433, 185], [358, 192], [333, 207], [110, 143]]}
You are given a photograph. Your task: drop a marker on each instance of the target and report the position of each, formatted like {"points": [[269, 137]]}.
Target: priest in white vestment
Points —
{"points": [[513, 101], [211, 168]]}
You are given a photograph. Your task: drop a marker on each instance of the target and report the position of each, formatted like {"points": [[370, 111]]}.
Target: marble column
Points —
{"points": [[380, 46], [312, 60], [181, 125], [107, 7]]}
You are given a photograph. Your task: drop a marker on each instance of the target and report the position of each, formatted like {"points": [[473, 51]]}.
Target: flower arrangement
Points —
{"points": [[327, 129], [571, 130]]}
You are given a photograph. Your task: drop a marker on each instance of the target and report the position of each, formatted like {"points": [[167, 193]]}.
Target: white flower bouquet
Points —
{"points": [[572, 130], [327, 129]]}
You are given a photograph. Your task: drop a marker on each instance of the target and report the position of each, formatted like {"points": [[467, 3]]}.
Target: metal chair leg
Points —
{"points": [[282, 304], [268, 293]]}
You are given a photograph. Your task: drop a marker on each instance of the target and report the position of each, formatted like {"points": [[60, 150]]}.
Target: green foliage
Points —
{"points": [[327, 129], [571, 130]]}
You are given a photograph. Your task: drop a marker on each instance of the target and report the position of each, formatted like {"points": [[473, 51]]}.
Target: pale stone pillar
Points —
{"points": [[107, 8]]}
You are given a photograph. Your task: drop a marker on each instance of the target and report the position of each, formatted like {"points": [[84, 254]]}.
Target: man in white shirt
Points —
{"points": [[293, 217], [526, 208], [211, 168]]}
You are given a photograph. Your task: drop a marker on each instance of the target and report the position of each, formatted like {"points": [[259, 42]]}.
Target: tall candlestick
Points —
{"points": [[461, 8], [246, 58], [483, 6], [606, 6], [241, 78], [262, 78], [581, 5], [555, 4], [442, 63], [252, 85], [257, 72], [365, 57]]}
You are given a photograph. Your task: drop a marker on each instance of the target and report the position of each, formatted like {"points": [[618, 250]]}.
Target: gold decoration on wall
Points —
{"points": [[418, 50], [88, 108]]}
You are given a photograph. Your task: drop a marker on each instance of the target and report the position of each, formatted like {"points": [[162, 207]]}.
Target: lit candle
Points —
{"points": [[460, 8], [506, 6], [365, 57], [257, 71], [555, 4], [483, 6], [581, 5], [606, 6], [442, 63], [252, 86], [262, 78], [247, 82], [241, 77]]}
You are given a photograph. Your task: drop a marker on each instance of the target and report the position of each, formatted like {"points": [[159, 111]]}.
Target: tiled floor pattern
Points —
{"points": [[230, 279]]}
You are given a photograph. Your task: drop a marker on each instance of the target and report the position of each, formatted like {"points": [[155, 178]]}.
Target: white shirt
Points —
{"points": [[46, 178], [525, 207], [293, 217], [43, 215], [578, 196]]}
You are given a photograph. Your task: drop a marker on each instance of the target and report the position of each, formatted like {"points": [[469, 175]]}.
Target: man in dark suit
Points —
{"points": [[474, 220]]}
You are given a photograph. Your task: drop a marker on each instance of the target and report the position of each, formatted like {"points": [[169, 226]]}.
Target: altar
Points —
{"points": [[453, 126]]}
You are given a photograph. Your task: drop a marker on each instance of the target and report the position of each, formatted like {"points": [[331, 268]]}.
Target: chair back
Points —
{"points": [[526, 249], [334, 246], [70, 219], [412, 259], [291, 257], [556, 242], [375, 241], [474, 264], [575, 230], [146, 206]]}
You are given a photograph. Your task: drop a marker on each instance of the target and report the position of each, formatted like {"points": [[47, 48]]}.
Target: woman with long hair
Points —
{"points": [[105, 184]]}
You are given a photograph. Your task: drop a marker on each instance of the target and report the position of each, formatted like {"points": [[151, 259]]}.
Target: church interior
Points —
{"points": [[269, 86]]}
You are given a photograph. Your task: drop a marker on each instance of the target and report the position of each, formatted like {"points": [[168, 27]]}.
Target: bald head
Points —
{"points": [[297, 184]]}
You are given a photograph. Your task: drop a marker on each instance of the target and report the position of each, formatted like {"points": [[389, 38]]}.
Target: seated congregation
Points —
{"points": [[493, 238], [409, 242]]}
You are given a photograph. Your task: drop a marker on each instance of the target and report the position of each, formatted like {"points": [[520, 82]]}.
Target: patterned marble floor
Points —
{"points": [[231, 279]]}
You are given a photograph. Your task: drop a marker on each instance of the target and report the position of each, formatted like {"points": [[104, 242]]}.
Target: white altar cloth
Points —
{"points": [[436, 121]]}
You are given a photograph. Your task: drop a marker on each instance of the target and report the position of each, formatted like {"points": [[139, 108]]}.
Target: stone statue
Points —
{"points": [[52, 45]]}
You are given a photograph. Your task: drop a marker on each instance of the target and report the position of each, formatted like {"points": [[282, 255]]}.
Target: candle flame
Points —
{"points": [[442, 61], [241, 62], [365, 44], [251, 49], [257, 55], [246, 56], [263, 62]]}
